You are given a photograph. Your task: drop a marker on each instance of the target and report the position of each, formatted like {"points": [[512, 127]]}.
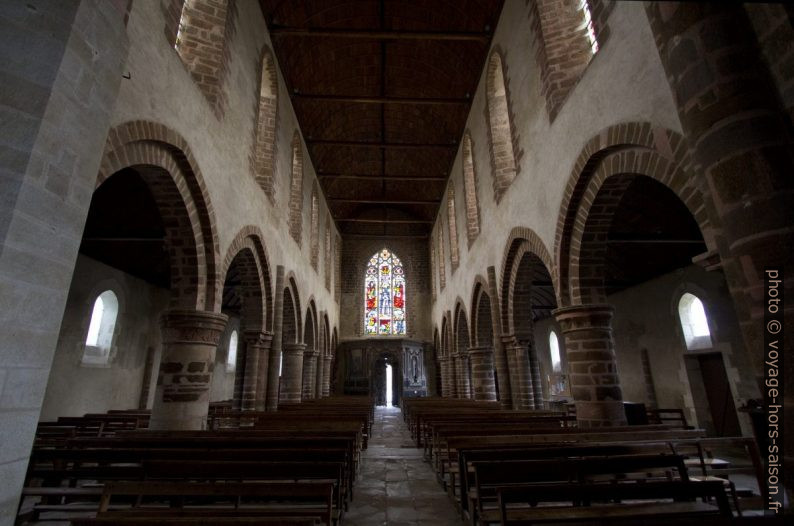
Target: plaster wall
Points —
{"points": [[74, 388], [624, 82], [646, 317]]}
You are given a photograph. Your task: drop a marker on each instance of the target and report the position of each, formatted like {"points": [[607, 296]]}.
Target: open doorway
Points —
{"points": [[711, 392], [388, 385]]}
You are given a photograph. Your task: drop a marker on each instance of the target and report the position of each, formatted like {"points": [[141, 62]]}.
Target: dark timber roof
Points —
{"points": [[382, 90]]}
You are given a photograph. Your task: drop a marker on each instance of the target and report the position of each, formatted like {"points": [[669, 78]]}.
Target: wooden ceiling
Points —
{"points": [[382, 90]]}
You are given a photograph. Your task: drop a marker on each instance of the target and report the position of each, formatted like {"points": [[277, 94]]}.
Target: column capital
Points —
{"points": [[310, 352], [192, 326], [584, 317], [260, 337], [294, 348], [481, 349]]}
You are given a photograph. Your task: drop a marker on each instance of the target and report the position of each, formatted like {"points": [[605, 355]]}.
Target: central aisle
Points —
{"points": [[396, 487]]}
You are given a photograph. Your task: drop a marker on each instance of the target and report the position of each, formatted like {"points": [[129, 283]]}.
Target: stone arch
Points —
{"points": [[182, 198], [470, 189], [444, 349], [521, 242], [462, 335], [263, 157], [291, 325], [633, 147], [481, 322], [326, 351], [334, 342], [296, 189], [505, 153], [256, 266], [310, 336]]}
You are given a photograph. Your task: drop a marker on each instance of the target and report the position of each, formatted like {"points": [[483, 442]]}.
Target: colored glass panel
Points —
{"points": [[384, 295]]}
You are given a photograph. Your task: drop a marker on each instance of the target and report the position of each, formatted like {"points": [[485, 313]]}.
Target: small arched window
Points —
{"points": [[554, 350], [470, 191], [296, 190], [314, 229], [454, 254], [503, 160], [231, 355], [694, 322], [384, 295], [99, 339]]}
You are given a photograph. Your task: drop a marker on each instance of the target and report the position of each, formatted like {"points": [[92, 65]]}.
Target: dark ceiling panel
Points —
{"points": [[382, 89]]}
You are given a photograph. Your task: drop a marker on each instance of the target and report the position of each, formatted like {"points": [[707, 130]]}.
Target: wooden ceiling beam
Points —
{"points": [[378, 177], [383, 100], [381, 201], [364, 34], [382, 145], [393, 221]]}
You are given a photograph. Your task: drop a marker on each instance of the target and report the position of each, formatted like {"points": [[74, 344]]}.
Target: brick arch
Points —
{"points": [[645, 139], [522, 241], [470, 189], [291, 325], [326, 351], [444, 349], [196, 280], [310, 324], [296, 189], [601, 199], [462, 335], [250, 238], [263, 156], [481, 323], [502, 134], [334, 343]]}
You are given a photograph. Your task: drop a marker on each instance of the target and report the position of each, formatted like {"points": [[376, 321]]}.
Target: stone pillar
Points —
{"points": [[464, 381], [482, 373], [739, 137], [443, 364], [509, 344], [500, 356], [521, 379], [292, 373], [595, 384], [320, 371], [266, 340], [327, 375], [190, 339], [274, 362], [239, 378], [255, 373], [534, 370], [309, 373]]}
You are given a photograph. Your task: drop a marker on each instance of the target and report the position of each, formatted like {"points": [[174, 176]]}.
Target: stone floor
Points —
{"points": [[395, 486]]}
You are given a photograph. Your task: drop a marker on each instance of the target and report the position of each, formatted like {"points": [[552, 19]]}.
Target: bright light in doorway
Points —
{"points": [[388, 385]]}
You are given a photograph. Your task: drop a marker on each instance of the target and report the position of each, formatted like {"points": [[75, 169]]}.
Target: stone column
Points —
{"points": [[501, 368], [239, 378], [523, 394], [454, 370], [319, 374], [482, 373], [327, 360], [274, 362], [292, 373], [309, 373], [534, 370], [595, 384], [443, 364], [190, 339], [740, 141], [464, 382], [509, 344], [264, 370], [257, 344]]}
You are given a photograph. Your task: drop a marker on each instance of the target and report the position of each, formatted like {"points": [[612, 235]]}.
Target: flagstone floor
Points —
{"points": [[395, 486]]}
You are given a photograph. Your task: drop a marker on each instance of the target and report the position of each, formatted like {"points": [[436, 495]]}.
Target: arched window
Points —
{"points": [[503, 159], [265, 142], [442, 264], [554, 350], [454, 254], [327, 252], [314, 232], [231, 355], [694, 322], [200, 41], [384, 295], [99, 340], [470, 191], [296, 190]]}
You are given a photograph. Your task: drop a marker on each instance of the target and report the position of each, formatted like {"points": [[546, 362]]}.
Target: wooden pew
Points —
{"points": [[669, 501]]}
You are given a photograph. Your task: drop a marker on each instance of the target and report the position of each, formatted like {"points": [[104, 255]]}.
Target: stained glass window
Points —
{"points": [[384, 295]]}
